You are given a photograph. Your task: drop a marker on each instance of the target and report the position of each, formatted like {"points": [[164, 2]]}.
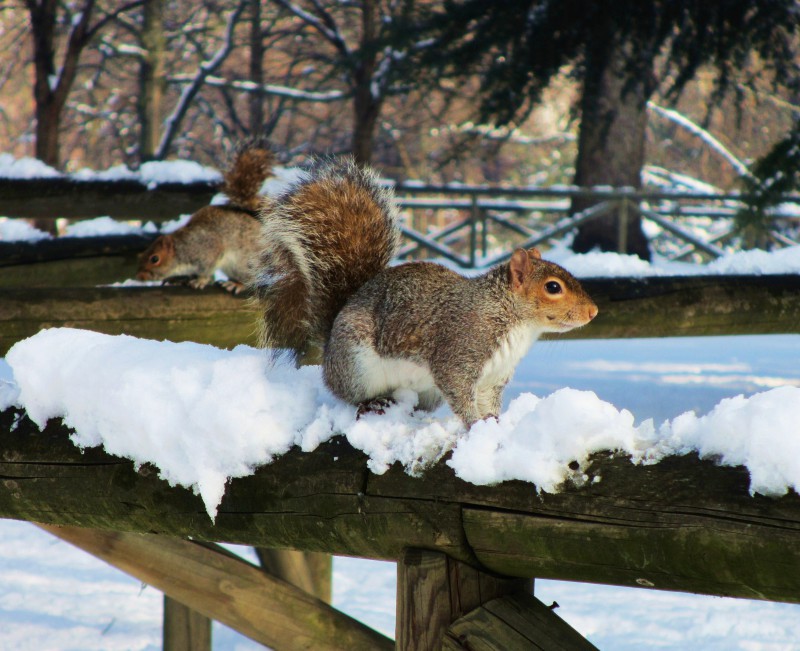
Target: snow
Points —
{"points": [[155, 172], [24, 168], [106, 226], [18, 230], [648, 378], [203, 415]]}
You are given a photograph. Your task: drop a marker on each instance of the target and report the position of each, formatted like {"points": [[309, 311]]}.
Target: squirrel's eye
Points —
{"points": [[154, 259], [553, 287]]}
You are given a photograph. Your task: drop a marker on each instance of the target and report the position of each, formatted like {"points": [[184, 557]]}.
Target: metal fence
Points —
{"points": [[476, 226], [472, 226]]}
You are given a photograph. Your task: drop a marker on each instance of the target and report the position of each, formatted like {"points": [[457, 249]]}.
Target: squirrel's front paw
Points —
{"points": [[198, 283], [232, 286], [374, 406]]}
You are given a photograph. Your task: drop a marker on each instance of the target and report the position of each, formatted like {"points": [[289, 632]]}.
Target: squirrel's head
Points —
{"points": [[552, 297], [155, 262]]}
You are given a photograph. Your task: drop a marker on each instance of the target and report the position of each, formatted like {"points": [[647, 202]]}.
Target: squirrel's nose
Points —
{"points": [[592, 312]]}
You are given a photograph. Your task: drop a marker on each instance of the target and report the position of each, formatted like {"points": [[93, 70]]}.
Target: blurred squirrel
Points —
{"points": [[222, 237], [323, 280]]}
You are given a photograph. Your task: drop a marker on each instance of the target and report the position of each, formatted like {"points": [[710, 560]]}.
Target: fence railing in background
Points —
{"points": [[477, 226], [472, 226]]}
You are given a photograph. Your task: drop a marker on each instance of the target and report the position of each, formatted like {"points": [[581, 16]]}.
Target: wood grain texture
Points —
{"points": [[121, 199], [682, 524], [309, 571], [71, 261], [517, 621], [218, 585], [629, 308], [434, 590], [210, 316], [185, 629]]}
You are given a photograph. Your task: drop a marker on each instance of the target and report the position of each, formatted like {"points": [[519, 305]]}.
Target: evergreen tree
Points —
{"points": [[621, 52]]}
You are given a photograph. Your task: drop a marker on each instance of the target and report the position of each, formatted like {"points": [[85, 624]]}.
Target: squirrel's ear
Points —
{"points": [[168, 243], [518, 268], [534, 254]]}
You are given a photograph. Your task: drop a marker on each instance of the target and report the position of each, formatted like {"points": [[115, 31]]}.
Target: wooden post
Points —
{"points": [[309, 571], [622, 226], [185, 629], [434, 590]]}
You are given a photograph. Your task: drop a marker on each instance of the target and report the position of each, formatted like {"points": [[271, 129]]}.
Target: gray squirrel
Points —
{"points": [[223, 237], [323, 279]]}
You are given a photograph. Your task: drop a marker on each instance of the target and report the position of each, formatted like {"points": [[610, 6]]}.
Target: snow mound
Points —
{"points": [[203, 415]]}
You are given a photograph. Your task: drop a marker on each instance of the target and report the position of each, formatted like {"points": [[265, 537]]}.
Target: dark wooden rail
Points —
{"points": [[121, 199], [647, 307], [682, 524]]}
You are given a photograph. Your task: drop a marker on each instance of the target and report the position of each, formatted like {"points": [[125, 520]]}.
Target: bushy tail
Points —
{"points": [[250, 167], [322, 240]]}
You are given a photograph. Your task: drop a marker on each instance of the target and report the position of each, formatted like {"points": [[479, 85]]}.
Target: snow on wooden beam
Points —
{"points": [[682, 524]]}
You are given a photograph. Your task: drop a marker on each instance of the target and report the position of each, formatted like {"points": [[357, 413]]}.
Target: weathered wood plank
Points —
{"points": [[654, 307], [230, 590], [692, 306], [309, 571], [173, 313], [682, 524], [71, 261], [121, 199], [78, 272], [434, 590], [184, 629], [13, 254], [516, 621], [681, 556], [319, 505]]}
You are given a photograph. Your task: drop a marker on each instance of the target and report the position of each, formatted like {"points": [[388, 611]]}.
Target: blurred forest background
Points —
{"points": [[522, 92]]}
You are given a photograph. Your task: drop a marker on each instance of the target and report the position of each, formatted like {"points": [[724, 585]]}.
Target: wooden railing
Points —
{"points": [[472, 226], [465, 553]]}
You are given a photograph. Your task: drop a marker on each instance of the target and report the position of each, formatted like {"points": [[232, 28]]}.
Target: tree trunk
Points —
{"points": [[256, 69], [152, 78], [611, 143], [43, 20], [366, 99], [51, 86]]}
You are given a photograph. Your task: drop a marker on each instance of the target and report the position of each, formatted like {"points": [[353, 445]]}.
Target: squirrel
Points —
{"points": [[323, 279], [223, 237]]}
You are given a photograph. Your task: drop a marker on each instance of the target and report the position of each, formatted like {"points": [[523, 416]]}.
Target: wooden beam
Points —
{"points": [[174, 313], [681, 524], [228, 589], [184, 629], [434, 590], [121, 199], [71, 261], [516, 621], [692, 306], [309, 571], [652, 307]]}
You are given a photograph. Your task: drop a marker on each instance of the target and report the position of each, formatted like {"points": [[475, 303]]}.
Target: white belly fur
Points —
{"points": [[512, 349], [381, 376]]}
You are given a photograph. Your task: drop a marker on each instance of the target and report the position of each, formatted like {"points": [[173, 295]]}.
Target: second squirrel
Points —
{"points": [[324, 279], [217, 237]]}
